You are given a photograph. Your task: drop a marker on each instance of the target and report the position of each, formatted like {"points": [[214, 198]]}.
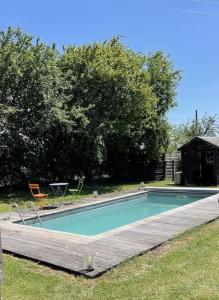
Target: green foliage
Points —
{"points": [[123, 91], [163, 79], [29, 77], [183, 133], [92, 109]]}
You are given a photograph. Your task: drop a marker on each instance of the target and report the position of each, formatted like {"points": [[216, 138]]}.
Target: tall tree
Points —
{"points": [[127, 95], [28, 86]]}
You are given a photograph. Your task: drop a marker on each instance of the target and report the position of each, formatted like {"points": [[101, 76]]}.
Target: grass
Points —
{"points": [[185, 268], [21, 197]]}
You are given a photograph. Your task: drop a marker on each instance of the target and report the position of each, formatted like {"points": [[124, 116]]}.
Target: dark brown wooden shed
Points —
{"points": [[200, 161]]}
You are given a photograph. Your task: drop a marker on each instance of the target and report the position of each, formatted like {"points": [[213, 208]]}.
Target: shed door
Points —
{"points": [[192, 167], [207, 168]]}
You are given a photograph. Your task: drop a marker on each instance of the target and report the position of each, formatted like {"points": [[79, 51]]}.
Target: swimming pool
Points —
{"points": [[95, 219]]}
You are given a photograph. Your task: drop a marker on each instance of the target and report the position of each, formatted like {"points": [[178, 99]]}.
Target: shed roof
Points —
{"points": [[211, 140]]}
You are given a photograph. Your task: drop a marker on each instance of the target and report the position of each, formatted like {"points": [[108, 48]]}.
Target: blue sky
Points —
{"points": [[187, 30]]}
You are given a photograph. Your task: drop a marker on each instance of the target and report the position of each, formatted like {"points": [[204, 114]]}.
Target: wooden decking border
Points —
{"points": [[66, 251]]}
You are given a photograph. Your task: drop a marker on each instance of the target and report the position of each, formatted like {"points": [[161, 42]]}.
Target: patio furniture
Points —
{"points": [[37, 195], [76, 192], [59, 188]]}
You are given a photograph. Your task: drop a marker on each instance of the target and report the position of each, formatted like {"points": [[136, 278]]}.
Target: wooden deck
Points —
{"points": [[64, 250]]}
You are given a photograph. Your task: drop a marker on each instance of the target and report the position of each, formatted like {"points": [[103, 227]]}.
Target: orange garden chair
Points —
{"points": [[37, 195]]}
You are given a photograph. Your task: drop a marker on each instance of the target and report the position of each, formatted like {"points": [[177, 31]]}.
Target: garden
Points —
{"points": [[97, 111]]}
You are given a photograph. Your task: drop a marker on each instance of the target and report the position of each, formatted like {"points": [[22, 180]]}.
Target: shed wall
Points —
{"points": [[217, 166]]}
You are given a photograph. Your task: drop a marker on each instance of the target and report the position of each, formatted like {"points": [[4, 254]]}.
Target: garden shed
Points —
{"points": [[200, 161]]}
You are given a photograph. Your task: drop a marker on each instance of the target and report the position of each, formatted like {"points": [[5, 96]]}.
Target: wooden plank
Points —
{"points": [[68, 245], [160, 230], [114, 245], [164, 235], [181, 220], [141, 238], [76, 255], [199, 213], [42, 254], [198, 219]]}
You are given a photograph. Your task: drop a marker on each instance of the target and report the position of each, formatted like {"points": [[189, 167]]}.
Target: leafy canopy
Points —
{"points": [[90, 109]]}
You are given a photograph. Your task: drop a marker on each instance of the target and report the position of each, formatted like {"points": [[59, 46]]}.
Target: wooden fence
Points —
{"points": [[165, 168], [172, 165]]}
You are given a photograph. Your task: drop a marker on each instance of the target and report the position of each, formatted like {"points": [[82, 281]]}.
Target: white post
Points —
{"points": [[142, 186], [95, 194]]}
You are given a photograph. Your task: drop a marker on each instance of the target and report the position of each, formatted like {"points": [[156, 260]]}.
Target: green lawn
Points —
{"points": [[22, 196], [186, 268]]}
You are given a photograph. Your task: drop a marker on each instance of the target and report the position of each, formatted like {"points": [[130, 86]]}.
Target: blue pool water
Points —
{"points": [[94, 220]]}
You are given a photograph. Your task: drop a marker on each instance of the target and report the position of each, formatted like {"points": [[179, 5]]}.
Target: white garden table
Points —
{"points": [[59, 188]]}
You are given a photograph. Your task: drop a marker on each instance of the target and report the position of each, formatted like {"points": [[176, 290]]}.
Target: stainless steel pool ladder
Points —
{"points": [[34, 208], [20, 213], [18, 210]]}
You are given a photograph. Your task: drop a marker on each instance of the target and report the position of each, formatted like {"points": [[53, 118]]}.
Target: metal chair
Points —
{"points": [[37, 195], [76, 192]]}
